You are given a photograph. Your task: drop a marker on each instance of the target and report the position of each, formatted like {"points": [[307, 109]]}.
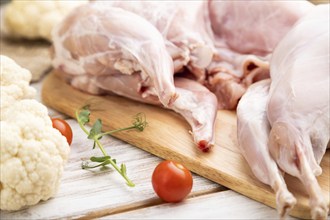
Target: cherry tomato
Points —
{"points": [[171, 181], [64, 128]]}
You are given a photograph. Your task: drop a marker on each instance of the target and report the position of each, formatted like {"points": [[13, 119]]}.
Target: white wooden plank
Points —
{"points": [[221, 205], [84, 191]]}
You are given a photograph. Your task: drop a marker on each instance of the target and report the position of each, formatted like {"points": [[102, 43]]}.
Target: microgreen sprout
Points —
{"points": [[83, 117]]}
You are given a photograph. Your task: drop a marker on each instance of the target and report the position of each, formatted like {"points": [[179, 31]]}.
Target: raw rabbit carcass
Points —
{"points": [[103, 49], [286, 122], [299, 103]]}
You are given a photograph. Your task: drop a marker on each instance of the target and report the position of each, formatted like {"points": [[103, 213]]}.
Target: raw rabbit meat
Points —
{"points": [[99, 51], [288, 121], [299, 107], [252, 132]]}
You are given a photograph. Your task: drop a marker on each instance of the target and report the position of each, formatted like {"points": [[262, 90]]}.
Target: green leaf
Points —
{"points": [[114, 160], [95, 130], [84, 114], [99, 159]]}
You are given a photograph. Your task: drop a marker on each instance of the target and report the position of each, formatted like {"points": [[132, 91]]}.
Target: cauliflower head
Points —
{"points": [[34, 19], [14, 82], [32, 152]]}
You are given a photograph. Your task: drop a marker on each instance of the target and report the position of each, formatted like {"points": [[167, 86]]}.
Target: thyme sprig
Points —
{"points": [[83, 117]]}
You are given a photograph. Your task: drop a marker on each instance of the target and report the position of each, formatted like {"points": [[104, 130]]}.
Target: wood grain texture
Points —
{"points": [[167, 136], [93, 193], [220, 205]]}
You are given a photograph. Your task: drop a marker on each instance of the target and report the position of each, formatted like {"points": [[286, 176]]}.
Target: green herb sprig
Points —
{"points": [[83, 117]]}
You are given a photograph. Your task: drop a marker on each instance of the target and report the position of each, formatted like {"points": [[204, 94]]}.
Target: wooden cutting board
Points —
{"points": [[167, 136]]}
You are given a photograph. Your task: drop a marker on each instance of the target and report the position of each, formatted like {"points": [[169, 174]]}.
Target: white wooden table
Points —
{"points": [[103, 193]]}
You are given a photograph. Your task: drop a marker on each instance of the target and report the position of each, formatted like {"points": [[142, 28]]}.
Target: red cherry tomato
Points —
{"points": [[171, 181], [64, 128]]}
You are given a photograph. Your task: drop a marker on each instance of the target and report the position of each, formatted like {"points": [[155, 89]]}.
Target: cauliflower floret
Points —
{"points": [[14, 82], [34, 19], [32, 152]]}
